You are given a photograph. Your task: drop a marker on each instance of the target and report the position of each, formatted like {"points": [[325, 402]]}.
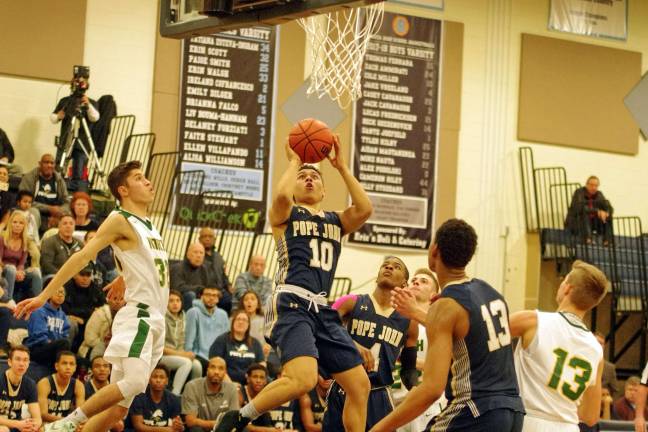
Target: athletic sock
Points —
{"points": [[249, 411], [77, 416]]}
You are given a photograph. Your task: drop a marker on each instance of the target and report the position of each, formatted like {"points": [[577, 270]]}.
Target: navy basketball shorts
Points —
{"points": [[456, 418], [297, 329], [379, 406]]}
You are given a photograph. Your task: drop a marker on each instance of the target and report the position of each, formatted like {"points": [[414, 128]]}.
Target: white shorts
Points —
{"points": [[535, 424], [136, 332]]}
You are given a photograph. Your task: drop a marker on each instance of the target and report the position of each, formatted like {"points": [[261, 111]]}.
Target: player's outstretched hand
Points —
{"points": [[25, 308], [115, 290], [290, 153], [403, 300], [338, 160]]}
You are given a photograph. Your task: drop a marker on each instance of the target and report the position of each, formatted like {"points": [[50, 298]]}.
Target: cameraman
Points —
{"points": [[79, 105]]}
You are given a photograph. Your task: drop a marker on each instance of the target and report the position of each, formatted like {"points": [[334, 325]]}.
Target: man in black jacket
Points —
{"points": [[191, 275], [82, 297], [590, 212]]}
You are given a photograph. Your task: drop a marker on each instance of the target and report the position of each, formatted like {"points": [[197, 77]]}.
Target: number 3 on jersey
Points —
{"points": [[496, 309], [322, 254], [162, 271]]}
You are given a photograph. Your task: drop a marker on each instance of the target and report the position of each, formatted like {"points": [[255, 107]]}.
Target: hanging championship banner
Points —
{"points": [[601, 18], [395, 132], [225, 121]]}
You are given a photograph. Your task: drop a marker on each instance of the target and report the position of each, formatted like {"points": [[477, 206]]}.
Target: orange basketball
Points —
{"points": [[311, 139]]}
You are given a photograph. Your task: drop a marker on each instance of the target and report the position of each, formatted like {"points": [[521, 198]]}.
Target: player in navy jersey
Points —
{"points": [[60, 393], [468, 328], [305, 331], [16, 391], [380, 333]]}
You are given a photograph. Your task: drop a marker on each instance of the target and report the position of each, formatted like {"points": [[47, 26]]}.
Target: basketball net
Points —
{"points": [[338, 42]]}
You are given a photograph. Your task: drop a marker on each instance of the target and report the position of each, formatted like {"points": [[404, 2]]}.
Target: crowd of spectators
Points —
{"points": [[214, 329]]}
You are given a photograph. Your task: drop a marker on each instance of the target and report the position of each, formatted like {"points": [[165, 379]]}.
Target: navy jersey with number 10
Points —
{"points": [[309, 250]]}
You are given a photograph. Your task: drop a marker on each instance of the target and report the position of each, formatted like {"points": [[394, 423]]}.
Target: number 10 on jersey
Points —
{"points": [[322, 254]]}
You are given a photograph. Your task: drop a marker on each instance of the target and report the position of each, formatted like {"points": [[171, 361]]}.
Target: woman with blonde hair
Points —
{"points": [[15, 247]]}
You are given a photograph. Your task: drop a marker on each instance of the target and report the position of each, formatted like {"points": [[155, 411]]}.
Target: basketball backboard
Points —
{"points": [[181, 19]]}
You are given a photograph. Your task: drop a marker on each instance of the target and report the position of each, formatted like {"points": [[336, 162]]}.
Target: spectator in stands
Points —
{"points": [[7, 322], [83, 296], [100, 373], [49, 330], [66, 109], [7, 198], [256, 378], [24, 203], [252, 306], [81, 208], [104, 269], [156, 410], [15, 248], [60, 393], [238, 348], [590, 212], [205, 398], [97, 330], [310, 414], [175, 357], [624, 407], [609, 379], [214, 261], [205, 322], [190, 275], [16, 391], [48, 188], [253, 280], [57, 249]]}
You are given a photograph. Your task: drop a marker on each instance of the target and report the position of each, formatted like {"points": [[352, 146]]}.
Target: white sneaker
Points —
{"points": [[62, 425]]}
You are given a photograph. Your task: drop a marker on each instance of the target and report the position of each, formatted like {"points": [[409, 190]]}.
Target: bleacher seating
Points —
{"points": [[547, 195]]}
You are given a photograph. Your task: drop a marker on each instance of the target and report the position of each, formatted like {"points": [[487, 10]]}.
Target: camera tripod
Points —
{"points": [[72, 138]]}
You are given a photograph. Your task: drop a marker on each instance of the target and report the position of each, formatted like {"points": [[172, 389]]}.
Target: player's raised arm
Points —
{"points": [[282, 199], [360, 209], [113, 229], [524, 324]]}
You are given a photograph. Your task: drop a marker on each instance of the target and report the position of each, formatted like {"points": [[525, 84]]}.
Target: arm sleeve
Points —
{"points": [[137, 408], [339, 302], [189, 402], [23, 258], [258, 351], [408, 372], [239, 286], [190, 333], [174, 407], [93, 114], [217, 348], [92, 335], [233, 399], [47, 258]]}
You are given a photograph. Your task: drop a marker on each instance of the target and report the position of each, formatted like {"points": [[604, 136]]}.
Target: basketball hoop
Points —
{"points": [[338, 44]]}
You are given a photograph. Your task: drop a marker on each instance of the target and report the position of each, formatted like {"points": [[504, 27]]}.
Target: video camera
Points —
{"points": [[78, 87]]}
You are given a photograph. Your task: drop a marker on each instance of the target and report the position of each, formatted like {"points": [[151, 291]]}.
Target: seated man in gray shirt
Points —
{"points": [[254, 280], [205, 398]]}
